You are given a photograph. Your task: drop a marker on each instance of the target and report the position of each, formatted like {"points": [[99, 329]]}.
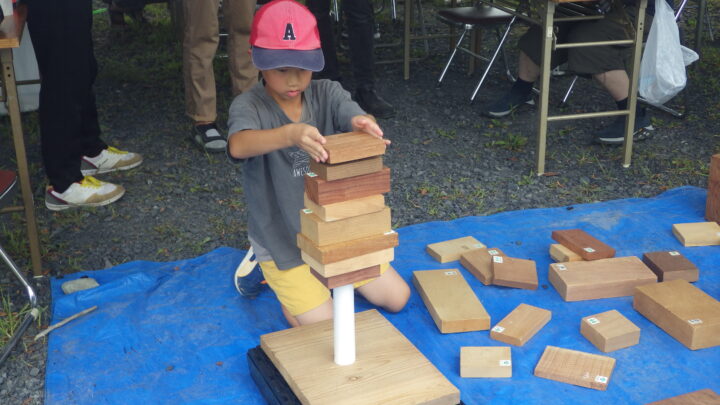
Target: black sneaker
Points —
{"points": [[614, 134], [510, 102], [373, 104], [208, 137], [248, 277]]}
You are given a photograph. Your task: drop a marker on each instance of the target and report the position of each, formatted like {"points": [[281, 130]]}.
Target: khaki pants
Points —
{"points": [[200, 41]]}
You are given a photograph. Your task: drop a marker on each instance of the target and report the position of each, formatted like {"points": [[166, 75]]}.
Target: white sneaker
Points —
{"points": [[110, 160], [89, 192]]}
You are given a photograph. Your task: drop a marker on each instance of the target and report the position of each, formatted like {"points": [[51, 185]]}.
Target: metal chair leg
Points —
{"points": [[454, 52], [492, 60], [569, 90], [29, 318]]}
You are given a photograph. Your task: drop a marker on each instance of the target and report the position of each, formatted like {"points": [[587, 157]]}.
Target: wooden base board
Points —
{"points": [[671, 265], [520, 325], [451, 250], [479, 263], [388, 369], [700, 397], [609, 331], [583, 244], [697, 233], [485, 362], [575, 367], [347, 278]]}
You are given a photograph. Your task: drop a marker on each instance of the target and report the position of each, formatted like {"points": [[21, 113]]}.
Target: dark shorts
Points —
{"points": [[585, 60]]}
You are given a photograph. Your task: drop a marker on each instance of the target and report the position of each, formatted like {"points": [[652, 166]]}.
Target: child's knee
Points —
{"points": [[397, 301]]}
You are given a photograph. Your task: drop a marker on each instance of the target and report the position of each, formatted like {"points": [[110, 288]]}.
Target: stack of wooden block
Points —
{"points": [[345, 227]]}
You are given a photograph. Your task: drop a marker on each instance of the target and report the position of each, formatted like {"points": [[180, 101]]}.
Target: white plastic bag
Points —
{"points": [[25, 69], [662, 69]]}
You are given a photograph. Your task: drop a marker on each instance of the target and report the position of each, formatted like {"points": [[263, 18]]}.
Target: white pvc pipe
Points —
{"points": [[344, 324]]}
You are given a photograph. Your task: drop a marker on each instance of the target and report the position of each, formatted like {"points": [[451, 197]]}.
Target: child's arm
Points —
{"points": [[254, 142], [367, 124]]}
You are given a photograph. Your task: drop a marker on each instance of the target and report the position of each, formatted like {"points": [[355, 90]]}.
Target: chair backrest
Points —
{"points": [[7, 186]]}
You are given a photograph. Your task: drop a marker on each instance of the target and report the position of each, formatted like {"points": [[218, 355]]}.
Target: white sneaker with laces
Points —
{"points": [[110, 160], [89, 192]]}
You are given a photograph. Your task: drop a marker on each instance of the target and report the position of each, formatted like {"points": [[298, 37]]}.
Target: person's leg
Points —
{"points": [[238, 16], [200, 41], [317, 314], [528, 70], [389, 291], [616, 82], [321, 11]]}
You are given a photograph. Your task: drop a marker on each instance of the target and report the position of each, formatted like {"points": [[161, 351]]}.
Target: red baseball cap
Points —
{"points": [[285, 34]]}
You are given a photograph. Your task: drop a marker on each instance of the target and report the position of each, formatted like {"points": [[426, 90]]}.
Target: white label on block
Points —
{"points": [[493, 252], [311, 174], [497, 259], [561, 267], [593, 321], [307, 211], [450, 273], [601, 379], [505, 363], [498, 329], [389, 232], [674, 253], [589, 249], [695, 321]]}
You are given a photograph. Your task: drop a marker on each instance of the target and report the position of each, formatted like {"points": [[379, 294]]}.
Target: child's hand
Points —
{"points": [[364, 123], [308, 138]]}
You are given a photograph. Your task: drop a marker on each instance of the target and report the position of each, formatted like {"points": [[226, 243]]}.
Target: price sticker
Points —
{"points": [[601, 379], [493, 252], [674, 253], [593, 321], [695, 321], [505, 363], [389, 232], [498, 329], [479, 246], [307, 211], [497, 259], [311, 174], [561, 267], [450, 273], [589, 250]]}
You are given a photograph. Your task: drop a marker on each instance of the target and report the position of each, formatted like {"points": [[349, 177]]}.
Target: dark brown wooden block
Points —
{"points": [[348, 249], [352, 146], [344, 170], [516, 273], [712, 206], [583, 244], [671, 266], [347, 278], [479, 263], [700, 397], [328, 192]]}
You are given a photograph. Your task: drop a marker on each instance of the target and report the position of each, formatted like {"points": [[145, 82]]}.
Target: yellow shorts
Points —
{"points": [[297, 289]]}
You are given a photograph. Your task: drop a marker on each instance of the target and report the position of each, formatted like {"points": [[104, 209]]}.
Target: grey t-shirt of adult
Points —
{"points": [[273, 182]]}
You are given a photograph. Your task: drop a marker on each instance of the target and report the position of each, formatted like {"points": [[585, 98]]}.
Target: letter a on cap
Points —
{"points": [[289, 33]]}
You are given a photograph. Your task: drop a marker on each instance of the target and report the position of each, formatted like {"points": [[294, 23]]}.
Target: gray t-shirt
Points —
{"points": [[273, 182]]}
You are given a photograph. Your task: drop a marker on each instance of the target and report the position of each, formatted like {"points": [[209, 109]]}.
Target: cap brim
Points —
{"points": [[267, 59]]}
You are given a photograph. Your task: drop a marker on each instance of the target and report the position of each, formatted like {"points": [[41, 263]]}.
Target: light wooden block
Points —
{"points": [[388, 368], [451, 250], [346, 209], [700, 397], [712, 204], [671, 265], [609, 331], [347, 250], [575, 367], [682, 310], [583, 244], [520, 325], [451, 302], [697, 233], [561, 254], [516, 273], [344, 170], [347, 278], [479, 263], [329, 192], [604, 278], [352, 146], [323, 233], [485, 362], [348, 265]]}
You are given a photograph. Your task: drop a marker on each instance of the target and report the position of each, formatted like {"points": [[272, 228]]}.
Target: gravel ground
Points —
{"points": [[448, 161]]}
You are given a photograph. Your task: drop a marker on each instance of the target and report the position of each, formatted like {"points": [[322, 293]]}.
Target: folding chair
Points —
{"points": [[473, 18], [8, 180]]}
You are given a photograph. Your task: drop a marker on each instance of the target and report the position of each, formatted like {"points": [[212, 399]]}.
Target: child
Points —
{"points": [[275, 128]]}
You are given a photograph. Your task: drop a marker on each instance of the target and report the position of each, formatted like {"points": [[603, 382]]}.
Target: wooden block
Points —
{"points": [[347, 278], [348, 265], [388, 368], [450, 250], [697, 233], [352, 146], [516, 273], [671, 266], [346, 209], [609, 331], [323, 233], [605, 278], [583, 244], [561, 254], [700, 397], [485, 362], [575, 367], [329, 192], [451, 302], [682, 310], [520, 325], [344, 170], [712, 204], [479, 263], [347, 250]]}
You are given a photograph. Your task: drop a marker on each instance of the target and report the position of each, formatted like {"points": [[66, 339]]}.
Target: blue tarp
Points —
{"points": [[179, 332]]}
